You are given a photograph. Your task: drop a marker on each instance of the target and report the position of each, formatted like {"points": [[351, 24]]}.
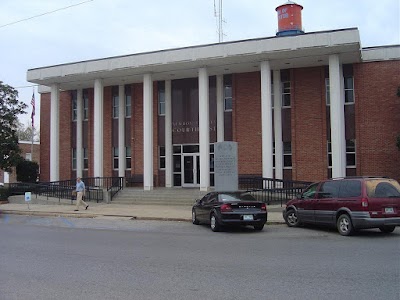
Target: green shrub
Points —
{"points": [[27, 171], [4, 193]]}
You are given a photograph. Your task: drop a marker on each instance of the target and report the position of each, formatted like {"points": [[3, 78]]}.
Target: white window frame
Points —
{"points": [[85, 108], [115, 155], [328, 95], [161, 102], [286, 91], [115, 106], [128, 106], [226, 98], [74, 161], [128, 150], [161, 157], [287, 154]]}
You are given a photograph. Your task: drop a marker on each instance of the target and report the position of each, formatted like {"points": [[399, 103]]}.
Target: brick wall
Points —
{"points": [[137, 129], [377, 118], [309, 149], [65, 119], [45, 137], [246, 116]]}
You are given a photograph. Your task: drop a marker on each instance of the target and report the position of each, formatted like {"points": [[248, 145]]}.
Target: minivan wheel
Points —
{"points": [[194, 218], [214, 223], [344, 225], [387, 229], [291, 218]]}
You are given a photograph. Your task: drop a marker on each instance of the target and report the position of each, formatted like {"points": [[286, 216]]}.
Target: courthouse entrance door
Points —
{"points": [[191, 170]]}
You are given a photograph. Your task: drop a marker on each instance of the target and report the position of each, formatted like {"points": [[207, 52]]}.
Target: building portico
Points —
{"points": [[162, 79]]}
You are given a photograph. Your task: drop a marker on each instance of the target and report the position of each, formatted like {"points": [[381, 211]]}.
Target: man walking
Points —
{"points": [[80, 192]]}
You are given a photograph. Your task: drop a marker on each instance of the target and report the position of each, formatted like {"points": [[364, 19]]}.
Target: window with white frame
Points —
{"points": [[85, 159], [286, 91], [228, 97], [287, 155], [74, 108], [128, 102], [85, 105], [273, 155], [348, 90], [73, 158], [115, 158], [128, 158], [228, 104], [161, 102], [162, 157], [350, 153], [115, 106]]}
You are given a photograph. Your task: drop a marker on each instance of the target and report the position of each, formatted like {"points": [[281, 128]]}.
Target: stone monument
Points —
{"points": [[226, 166]]}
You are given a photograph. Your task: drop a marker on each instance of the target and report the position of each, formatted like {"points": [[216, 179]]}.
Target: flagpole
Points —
{"points": [[32, 116]]}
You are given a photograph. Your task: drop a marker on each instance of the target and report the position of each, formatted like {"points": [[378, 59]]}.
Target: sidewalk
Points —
{"points": [[64, 208]]}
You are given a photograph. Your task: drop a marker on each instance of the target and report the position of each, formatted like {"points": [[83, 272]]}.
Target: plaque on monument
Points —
{"points": [[226, 166]]}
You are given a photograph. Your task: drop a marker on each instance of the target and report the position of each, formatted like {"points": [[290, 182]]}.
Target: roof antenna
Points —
{"points": [[220, 20]]}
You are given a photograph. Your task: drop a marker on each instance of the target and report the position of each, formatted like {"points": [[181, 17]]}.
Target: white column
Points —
{"points": [[98, 128], [204, 130], [337, 117], [168, 135], [55, 133], [147, 132], [121, 131], [266, 120], [220, 108], [278, 125], [79, 133]]}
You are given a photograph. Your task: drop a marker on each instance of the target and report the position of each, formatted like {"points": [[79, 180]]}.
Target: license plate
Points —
{"points": [[248, 218], [389, 210]]}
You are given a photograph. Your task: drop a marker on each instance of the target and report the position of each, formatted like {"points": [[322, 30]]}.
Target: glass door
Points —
{"points": [[191, 170]]}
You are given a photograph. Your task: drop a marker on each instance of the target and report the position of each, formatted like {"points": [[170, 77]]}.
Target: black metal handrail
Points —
{"points": [[63, 189], [270, 190]]}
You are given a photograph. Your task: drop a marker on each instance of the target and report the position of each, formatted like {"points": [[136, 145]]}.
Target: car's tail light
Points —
{"points": [[226, 207], [364, 202], [264, 207]]}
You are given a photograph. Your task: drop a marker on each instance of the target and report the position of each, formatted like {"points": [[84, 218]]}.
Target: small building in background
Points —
{"points": [[26, 153]]}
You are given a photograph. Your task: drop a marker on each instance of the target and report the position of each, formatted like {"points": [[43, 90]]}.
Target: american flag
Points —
{"points": [[33, 110]]}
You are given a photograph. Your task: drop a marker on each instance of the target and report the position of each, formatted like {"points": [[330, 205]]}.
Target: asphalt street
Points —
{"points": [[121, 258]]}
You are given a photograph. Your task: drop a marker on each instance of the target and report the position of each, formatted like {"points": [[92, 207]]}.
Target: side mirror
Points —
{"points": [[299, 196], [199, 201]]}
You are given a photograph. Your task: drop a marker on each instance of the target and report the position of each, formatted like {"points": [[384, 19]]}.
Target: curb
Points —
{"points": [[93, 216]]}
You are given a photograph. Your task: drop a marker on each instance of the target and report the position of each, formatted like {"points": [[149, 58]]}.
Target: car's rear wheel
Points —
{"points": [[387, 229], [259, 227], [214, 223], [344, 225], [194, 218], [292, 219]]}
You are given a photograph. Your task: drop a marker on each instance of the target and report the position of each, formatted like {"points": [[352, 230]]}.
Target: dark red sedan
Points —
{"points": [[221, 209]]}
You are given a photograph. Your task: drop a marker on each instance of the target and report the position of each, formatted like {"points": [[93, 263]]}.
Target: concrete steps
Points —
{"points": [[158, 196]]}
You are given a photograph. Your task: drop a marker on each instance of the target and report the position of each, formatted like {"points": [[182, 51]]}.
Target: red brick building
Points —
{"points": [[301, 106]]}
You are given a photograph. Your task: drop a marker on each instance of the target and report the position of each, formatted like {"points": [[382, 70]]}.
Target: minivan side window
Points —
{"points": [[309, 193], [329, 189], [350, 188]]}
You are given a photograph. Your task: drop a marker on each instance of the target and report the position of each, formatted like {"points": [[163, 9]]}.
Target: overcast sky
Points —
{"points": [[105, 28]]}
